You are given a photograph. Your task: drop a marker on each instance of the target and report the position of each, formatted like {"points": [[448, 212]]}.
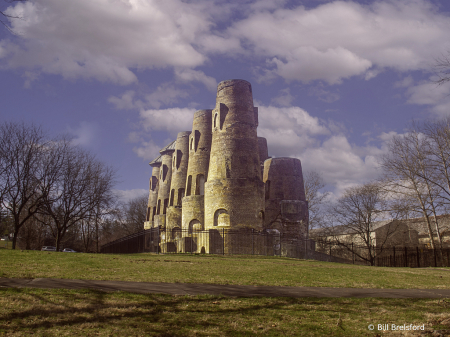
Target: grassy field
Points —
{"points": [[213, 269], [92, 313], [24, 312]]}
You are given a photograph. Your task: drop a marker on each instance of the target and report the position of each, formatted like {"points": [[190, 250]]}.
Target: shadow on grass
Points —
{"points": [[161, 315], [86, 312]]}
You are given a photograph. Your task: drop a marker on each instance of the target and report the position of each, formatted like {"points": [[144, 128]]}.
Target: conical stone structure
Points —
{"points": [[234, 191]]}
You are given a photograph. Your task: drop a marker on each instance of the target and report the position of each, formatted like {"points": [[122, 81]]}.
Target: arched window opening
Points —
{"points": [[192, 143], [166, 201], [158, 209], [267, 189], [188, 187], [153, 183], [148, 214], [200, 185], [221, 218], [195, 226], [153, 213], [215, 120], [164, 172], [261, 217], [172, 195], [180, 196], [177, 159]]}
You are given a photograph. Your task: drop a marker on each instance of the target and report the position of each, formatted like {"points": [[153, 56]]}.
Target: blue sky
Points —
{"points": [[333, 80]]}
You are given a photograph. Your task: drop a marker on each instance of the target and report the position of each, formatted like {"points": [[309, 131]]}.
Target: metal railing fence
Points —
{"points": [[251, 242]]}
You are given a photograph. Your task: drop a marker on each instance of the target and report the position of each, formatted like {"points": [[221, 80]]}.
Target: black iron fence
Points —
{"points": [[395, 256], [250, 242], [220, 241], [414, 257]]}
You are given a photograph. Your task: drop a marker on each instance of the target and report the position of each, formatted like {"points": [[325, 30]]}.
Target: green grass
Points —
{"points": [[87, 313], [38, 312], [5, 244], [213, 269]]}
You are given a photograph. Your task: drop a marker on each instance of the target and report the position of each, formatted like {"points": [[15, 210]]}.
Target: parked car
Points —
{"points": [[69, 250], [48, 249]]}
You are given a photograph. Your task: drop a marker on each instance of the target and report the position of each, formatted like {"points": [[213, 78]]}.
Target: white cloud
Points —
{"points": [[127, 195], [108, 39], [190, 75], [321, 146], [284, 98], [405, 82], [308, 63], [371, 74], [172, 120], [124, 102], [147, 150], [84, 134], [340, 39], [103, 39], [165, 94], [436, 96], [30, 77], [291, 117]]}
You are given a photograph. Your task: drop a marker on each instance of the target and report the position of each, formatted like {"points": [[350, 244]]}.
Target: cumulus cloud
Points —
{"points": [[284, 98], [340, 39], [165, 94], [289, 130], [107, 40], [433, 95], [103, 39], [147, 150], [30, 77], [124, 102], [405, 82], [321, 146], [84, 134], [172, 120], [190, 75]]}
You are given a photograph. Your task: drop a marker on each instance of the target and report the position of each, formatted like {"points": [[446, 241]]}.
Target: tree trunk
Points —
{"points": [[14, 239]]}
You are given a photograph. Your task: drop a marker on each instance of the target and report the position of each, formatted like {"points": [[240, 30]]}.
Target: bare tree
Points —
{"points": [[316, 199], [356, 214], [23, 171], [131, 216], [406, 173], [82, 185], [442, 66], [95, 226]]}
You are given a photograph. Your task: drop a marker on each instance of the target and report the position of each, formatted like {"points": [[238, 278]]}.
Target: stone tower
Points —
{"points": [[153, 192], [180, 158], [285, 201], [165, 178], [234, 191], [216, 190], [199, 152]]}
